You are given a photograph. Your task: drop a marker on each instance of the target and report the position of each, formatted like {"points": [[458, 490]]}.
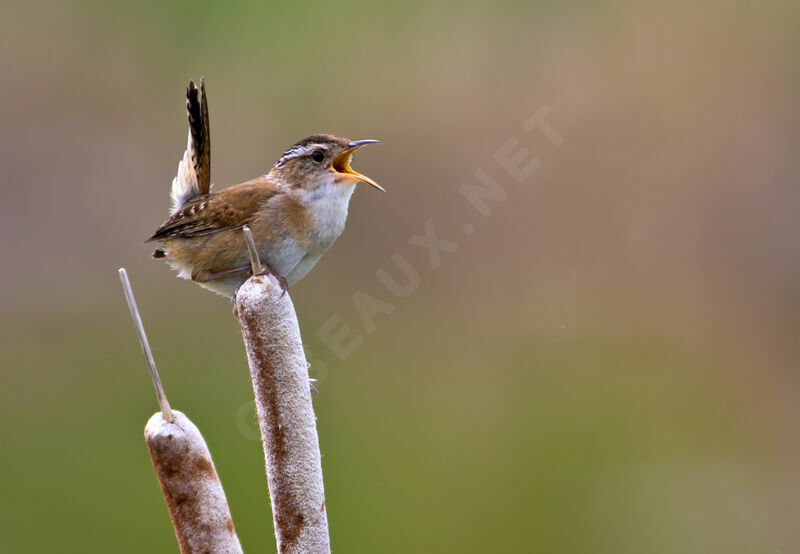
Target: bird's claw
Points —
{"points": [[281, 279]]}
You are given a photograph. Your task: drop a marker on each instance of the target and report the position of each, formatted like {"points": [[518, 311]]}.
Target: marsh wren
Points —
{"points": [[295, 212]]}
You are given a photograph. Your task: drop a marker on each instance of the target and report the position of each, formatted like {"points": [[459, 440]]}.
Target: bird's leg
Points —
{"points": [[268, 270], [202, 277], [233, 271]]}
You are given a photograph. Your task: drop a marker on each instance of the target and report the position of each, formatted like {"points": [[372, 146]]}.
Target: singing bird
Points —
{"points": [[295, 212]]}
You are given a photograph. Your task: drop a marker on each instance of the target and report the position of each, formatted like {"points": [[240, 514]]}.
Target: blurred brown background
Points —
{"points": [[607, 364]]}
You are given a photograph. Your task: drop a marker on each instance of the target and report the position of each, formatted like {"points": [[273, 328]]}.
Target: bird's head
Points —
{"points": [[321, 159]]}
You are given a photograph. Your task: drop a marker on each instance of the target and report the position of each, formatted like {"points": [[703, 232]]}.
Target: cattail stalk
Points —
{"points": [[148, 354], [279, 373]]}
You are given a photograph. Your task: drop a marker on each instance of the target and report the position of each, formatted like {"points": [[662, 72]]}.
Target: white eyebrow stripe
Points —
{"points": [[298, 151]]}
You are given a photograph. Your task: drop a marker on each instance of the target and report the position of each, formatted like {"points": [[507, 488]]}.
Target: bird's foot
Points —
{"points": [[281, 279]]}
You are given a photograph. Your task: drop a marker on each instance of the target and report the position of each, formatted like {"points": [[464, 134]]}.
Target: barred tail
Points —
{"points": [[194, 170]]}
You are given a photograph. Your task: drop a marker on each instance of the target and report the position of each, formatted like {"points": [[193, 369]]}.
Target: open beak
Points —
{"points": [[341, 163]]}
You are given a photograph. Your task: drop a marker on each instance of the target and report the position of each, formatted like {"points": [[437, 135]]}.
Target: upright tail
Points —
{"points": [[194, 170]]}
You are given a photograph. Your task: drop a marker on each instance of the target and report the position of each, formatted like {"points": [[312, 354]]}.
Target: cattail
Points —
{"points": [[191, 487], [279, 373], [183, 464]]}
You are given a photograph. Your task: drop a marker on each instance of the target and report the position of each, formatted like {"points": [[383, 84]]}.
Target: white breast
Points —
{"points": [[329, 205]]}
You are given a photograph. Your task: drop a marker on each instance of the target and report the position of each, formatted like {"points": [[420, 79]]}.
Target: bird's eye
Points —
{"points": [[318, 156]]}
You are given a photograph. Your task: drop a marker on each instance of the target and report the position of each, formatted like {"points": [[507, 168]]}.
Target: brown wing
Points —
{"points": [[229, 208], [197, 108]]}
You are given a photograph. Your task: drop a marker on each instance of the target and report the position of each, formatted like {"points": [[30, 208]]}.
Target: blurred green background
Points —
{"points": [[607, 364]]}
